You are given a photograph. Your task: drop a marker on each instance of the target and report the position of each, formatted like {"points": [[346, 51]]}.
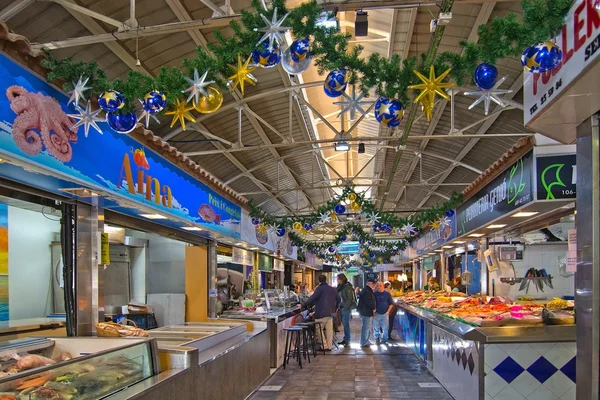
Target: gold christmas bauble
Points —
{"points": [[211, 103], [297, 226], [352, 196], [355, 206]]}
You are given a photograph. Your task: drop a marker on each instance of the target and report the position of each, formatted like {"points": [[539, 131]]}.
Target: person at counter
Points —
{"points": [[384, 306], [457, 285], [348, 303], [432, 285], [367, 305], [326, 301]]}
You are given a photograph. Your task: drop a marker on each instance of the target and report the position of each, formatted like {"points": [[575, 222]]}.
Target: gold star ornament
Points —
{"points": [[242, 74], [432, 85], [181, 113], [427, 107]]}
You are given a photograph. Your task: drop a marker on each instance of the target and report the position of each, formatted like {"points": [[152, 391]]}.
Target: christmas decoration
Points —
{"points": [[340, 209], [211, 103], [154, 102], [181, 113], [78, 90], [542, 57], [266, 57], [352, 197], [308, 226], [111, 101], [355, 206], [432, 85], [122, 122], [262, 228], [336, 82], [294, 67], [449, 213], [427, 108], [409, 229], [273, 31], [444, 222], [485, 76], [352, 104], [87, 118], [324, 218], [242, 74], [374, 218], [388, 112], [297, 226], [489, 95], [281, 232], [300, 49], [332, 249], [435, 225], [255, 221], [197, 86]]}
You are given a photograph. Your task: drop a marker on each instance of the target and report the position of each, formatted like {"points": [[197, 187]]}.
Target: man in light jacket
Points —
{"points": [[367, 308], [347, 304], [326, 303]]}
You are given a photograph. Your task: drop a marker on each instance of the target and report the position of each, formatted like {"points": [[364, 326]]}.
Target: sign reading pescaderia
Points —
{"points": [[35, 129], [579, 41], [507, 192], [556, 177]]}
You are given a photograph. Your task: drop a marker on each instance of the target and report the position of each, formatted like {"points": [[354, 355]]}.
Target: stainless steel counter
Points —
{"points": [[504, 334], [276, 314], [29, 325]]}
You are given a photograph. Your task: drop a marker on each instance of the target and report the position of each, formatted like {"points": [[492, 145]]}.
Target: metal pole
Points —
{"points": [[212, 277], [240, 126]]}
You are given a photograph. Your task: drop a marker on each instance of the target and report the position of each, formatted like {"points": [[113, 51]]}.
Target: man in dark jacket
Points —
{"points": [[348, 304], [366, 308], [326, 302]]}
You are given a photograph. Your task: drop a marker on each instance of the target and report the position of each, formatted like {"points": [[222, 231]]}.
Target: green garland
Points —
{"points": [[503, 37]]}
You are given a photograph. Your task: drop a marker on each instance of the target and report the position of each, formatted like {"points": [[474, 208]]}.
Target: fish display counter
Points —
{"points": [[482, 348]]}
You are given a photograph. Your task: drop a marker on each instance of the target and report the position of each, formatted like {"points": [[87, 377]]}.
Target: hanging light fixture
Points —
{"points": [[361, 24], [361, 148], [342, 145]]}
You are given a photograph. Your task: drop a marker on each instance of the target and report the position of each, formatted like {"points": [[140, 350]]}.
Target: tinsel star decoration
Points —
{"points": [[146, 115], [432, 85], [444, 222], [324, 218], [272, 228], [374, 218], [409, 229], [435, 225], [489, 95], [77, 92], [262, 228], [181, 113], [242, 74], [87, 118], [197, 86], [427, 107], [273, 31], [352, 104]]}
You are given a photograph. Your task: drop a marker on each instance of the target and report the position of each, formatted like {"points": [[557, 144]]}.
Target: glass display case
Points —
{"points": [[199, 335], [74, 368]]}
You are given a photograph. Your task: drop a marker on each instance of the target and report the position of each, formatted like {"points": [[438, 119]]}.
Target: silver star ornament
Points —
{"points": [[489, 95], [197, 86], [325, 218], [409, 229], [273, 32], [373, 218], [77, 92], [352, 104], [146, 115], [87, 118], [444, 222]]}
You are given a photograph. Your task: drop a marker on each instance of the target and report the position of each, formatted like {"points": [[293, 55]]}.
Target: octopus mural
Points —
{"points": [[41, 121]]}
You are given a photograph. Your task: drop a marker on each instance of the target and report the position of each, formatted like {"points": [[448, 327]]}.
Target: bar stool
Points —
{"points": [[312, 335], [295, 339]]}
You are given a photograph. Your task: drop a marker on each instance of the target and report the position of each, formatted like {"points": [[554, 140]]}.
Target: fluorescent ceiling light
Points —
{"points": [[438, 251], [525, 214], [459, 242], [153, 216], [496, 226], [112, 229], [191, 228], [342, 145], [446, 247], [476, 235]]}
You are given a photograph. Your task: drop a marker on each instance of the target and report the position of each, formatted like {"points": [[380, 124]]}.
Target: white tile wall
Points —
{"points": [[538, 257]]}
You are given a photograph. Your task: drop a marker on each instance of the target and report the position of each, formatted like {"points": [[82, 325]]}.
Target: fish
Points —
{"points": [[139, 158]]}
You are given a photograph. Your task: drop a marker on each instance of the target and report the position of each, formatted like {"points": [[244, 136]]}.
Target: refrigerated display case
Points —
{"points": [[74, 368]]}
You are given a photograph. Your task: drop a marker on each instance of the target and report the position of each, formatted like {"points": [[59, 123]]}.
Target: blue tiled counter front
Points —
{"points": [[413, 331]]}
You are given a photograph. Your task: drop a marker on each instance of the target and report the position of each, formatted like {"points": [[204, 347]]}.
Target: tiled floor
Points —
{"points": [[379, 372]]}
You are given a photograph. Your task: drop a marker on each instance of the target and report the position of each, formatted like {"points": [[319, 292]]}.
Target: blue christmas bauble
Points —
{"points": [[386, 227], [122, 122], [280, 231], [308, 226], [361, 240], [486, 75], [265, 57], [388, 112], [542, 57], [343, 238], [300, 49], [376, 228], [154, 102], [369, 242], [339, 209], [449, 213], [255, 220], [111, 101], [331, 249], [372, 255], [336, 82]]}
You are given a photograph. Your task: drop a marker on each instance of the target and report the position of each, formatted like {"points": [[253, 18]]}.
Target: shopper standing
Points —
{"points": [[385, 304], [366, 309], [388, 288], [326, 302], [348, 303]]}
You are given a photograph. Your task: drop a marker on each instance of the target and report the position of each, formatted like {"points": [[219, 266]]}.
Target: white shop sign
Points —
{"points": [[242, 256], [278, 265], [580, 44]]}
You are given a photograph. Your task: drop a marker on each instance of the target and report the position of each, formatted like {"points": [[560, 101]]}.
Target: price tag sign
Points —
{"points": [[572, 234], [104, 249], [571, 261], [212, 293]]}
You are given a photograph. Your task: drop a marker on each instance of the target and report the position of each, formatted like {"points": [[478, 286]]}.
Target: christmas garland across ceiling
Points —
{"points": [[259, 35], [344, 219]]}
